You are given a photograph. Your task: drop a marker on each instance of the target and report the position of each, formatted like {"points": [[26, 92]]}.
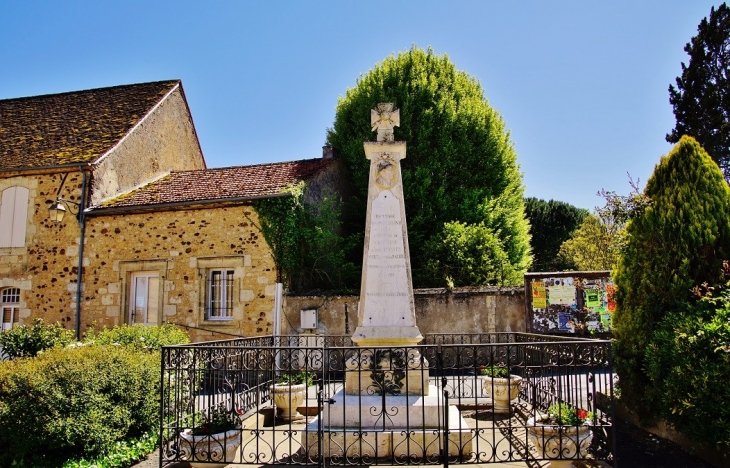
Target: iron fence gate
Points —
{"points": [[425, 404]]}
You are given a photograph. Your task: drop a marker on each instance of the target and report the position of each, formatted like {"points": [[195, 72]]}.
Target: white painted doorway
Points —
{"points": [[144, 298]]}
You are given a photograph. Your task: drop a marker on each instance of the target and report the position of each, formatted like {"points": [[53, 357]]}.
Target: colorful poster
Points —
{"points": [[564, 295], [593, 298], [539, 295], [564, 322], [610, 297], [606, 321]]}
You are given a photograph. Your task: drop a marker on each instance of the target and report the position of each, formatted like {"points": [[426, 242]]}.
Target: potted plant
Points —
{"points": [[289, 391], [215, 439], [501, 386], [561, 435]]}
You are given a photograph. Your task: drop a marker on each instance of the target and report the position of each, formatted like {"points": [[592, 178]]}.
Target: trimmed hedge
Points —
{"points": [[29, 340], [141, 337], [90, 400], [67, 403]]}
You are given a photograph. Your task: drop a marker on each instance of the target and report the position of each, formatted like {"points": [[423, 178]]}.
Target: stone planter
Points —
{"points": [[502, 391], [559, 444], [288, 398], [220, 447]]}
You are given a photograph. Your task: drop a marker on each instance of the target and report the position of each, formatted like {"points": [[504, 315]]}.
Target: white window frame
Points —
{"points": [[13, 216], [152, 298], [220, 294], [10, 304], [126, 270], [206, 267]]}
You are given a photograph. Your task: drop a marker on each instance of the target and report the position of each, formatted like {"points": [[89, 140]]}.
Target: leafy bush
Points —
{"points": [[139, 336], [219, 419], [469, 255], [296, 378], [563, 414], [122, 455], [688, 364], [75, 402], [29, 340], [499, 371]]}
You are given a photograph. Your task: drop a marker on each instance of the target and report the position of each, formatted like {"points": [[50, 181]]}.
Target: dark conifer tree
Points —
{"points": [[677, 242], [701, 100], [551, 223]]}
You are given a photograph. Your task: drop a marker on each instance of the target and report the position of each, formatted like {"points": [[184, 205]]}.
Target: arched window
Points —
{"points": [[13, 216], [9, 307]]}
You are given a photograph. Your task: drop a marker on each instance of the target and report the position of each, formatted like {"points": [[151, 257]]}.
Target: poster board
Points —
{"points": [[570, 302]]}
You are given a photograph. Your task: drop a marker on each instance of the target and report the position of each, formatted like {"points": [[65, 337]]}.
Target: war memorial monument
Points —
{"points": [[388, 407]]}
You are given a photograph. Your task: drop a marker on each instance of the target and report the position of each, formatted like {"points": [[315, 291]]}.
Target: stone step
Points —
{"points": [[395, 443]]}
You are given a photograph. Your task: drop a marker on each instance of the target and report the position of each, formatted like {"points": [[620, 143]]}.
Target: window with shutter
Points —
{"points": [[13, 216]]}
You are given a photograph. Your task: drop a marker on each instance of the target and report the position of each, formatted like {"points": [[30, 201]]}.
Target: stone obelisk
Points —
{"points": [[387, 315], [385, 409]]}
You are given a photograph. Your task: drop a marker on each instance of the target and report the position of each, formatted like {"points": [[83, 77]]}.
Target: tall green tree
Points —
{"points": [[599, 241], [460, 164], [677, 242], [592, 247], [551, 223], [701, 100]]}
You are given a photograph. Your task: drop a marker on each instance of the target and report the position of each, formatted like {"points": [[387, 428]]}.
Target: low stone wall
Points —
{"points": [[463, 310]]}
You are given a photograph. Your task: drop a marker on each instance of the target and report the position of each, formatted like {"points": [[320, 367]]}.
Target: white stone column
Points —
{"points": [[387, 313]]}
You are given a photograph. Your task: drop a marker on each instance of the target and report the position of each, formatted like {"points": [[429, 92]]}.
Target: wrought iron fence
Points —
{"points": [[426, 404]]}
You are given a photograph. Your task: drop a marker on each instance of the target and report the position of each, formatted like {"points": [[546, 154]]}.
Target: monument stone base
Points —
{"points": [[391, 371], [415, 382], [394, 426], [396, 443]]}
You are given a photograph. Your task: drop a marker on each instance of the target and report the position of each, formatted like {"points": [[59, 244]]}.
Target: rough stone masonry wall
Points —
{"points": [[45, 270], [464, 310], [180, 245], [163, 142]]}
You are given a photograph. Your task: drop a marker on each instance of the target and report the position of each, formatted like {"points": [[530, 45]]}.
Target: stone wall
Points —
{"points": [[164, 141], [180, 246], [45, 269], [463, 310]]}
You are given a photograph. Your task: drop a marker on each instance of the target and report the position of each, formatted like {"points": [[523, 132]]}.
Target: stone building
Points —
{"points": [[150, 235]]}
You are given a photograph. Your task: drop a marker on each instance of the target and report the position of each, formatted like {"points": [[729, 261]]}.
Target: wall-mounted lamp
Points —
{"points": [[59, 208], [56, 212]]}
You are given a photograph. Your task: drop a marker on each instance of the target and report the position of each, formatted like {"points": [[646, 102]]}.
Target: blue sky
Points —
{"points": [[581, 85]]}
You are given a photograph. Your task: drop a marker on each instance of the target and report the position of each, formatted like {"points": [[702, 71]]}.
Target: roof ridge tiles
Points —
{"points": [[80, 91], [201, 185], [278, 163]]}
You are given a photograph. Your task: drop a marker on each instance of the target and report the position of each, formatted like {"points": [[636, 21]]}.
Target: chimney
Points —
{"points": [[328, 152]]}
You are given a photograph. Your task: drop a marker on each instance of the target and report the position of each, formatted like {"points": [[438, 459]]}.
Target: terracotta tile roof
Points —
{"points": [[220, 183], [75, 127]]}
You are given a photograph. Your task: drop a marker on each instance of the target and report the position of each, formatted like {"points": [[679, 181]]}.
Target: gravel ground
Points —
{"points": [[636, 449]]}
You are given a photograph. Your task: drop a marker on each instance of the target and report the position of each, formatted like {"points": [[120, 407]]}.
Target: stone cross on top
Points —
{"points": [[383, 118]]}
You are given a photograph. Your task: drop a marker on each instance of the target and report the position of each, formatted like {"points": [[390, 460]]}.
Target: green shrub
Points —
{"points": [[122, 455], [139, 336], [75, 402], [679, 241], [29, 340], [469, 255], [688, 364]]}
